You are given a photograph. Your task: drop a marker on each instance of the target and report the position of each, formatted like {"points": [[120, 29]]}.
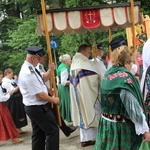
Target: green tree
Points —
{"points": [[18, 20], [19, 39]]}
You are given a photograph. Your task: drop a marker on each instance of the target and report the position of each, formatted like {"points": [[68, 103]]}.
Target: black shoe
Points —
{"points": [[70, 130], [87, 143]]}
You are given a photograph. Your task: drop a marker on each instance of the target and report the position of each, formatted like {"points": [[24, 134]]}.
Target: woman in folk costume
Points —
{"points": [[123, 123], [84, 89], [63, 72], [14, 103], [8, 129]]}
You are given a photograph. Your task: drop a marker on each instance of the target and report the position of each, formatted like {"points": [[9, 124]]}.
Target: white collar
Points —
{"points": [[99, 57]]}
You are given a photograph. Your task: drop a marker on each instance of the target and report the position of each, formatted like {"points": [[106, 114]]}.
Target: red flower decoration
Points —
{"points": [[129, 80]]}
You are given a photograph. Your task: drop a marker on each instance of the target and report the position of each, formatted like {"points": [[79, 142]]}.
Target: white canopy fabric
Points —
{"points": [[82, 19]]}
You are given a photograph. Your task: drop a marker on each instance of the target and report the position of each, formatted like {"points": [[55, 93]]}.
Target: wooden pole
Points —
{"points": [[133, 24], [110, 38], [147, 24], [53, 84], [129, 37]]}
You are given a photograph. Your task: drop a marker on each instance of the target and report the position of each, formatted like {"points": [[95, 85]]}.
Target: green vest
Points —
{"points": [[115, 79], [62, 67]]}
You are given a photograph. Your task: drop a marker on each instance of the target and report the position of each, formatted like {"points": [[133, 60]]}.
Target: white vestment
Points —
{"points": [[84, 92]]}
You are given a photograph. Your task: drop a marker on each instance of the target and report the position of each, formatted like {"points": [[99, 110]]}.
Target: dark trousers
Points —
{"points": [[65, 129], [45, 129]]}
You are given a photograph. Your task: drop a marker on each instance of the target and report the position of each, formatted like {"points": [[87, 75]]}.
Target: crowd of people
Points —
{"points": [[107, 104]]}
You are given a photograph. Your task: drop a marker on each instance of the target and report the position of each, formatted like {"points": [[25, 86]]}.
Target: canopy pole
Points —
{"points": [[133, 24], [110, 38], [52, 81]]}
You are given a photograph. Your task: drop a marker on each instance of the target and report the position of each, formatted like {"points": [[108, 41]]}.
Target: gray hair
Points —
{"points": [[64, 58]]}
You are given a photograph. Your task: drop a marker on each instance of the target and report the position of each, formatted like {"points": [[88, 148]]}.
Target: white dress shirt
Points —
{"points": [[41, 69], [30, 84], [102, 67]]}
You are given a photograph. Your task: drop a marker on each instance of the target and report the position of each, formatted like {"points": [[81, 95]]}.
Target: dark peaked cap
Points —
{"points": [[117, 41], [99, 46], [35, 50]]}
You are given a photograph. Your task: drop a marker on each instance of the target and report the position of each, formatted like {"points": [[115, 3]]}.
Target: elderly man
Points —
{"points": [[35, 99]]}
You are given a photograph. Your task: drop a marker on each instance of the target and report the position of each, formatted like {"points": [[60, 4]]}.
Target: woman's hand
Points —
{"points": [[9, 92], [146, 137]]}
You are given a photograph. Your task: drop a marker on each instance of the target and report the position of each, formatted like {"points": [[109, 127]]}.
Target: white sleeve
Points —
{"points": [[109, 65], [146, 54], [134, 111], [134, 69], [64, 76], [8, 86], [3, 97], [102, 68]]}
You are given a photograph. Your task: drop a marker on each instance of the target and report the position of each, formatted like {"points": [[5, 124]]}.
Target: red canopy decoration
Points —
{"points": [[90, 18]]}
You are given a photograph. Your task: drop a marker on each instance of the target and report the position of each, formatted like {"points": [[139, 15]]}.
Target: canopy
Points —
{"points": [[90, 18]]}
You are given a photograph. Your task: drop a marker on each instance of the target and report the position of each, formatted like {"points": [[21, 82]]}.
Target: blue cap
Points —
{"points": [[35, 50], [117, 42], [99, 46]]}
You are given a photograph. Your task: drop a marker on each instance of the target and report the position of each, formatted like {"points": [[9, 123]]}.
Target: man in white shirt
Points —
{"points": [[99, 59], [35, 98], [40, 67]]}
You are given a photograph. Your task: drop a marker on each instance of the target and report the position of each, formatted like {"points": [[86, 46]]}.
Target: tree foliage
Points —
{"points": [[18, 20]]}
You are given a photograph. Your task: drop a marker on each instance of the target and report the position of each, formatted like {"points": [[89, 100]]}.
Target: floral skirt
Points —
{"points": [[8, 129], [117, 136]]}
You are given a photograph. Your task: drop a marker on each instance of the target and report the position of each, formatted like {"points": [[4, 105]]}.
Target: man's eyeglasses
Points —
{"points": [[38, 57]]}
